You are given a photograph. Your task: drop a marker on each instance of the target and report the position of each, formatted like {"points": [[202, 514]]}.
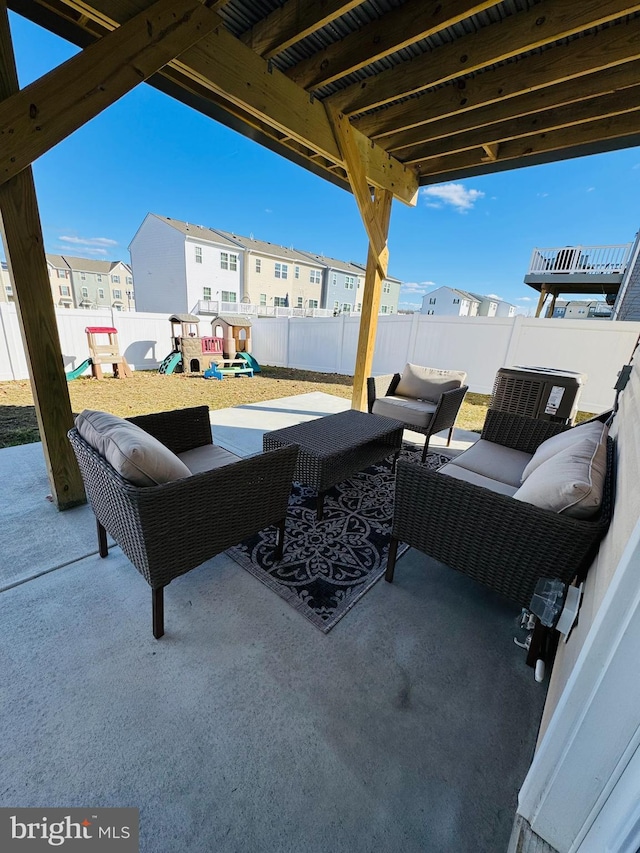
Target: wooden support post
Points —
{"points": [[374, 276], [30, 279], [375, 215], [543, 298], [552, 307]]}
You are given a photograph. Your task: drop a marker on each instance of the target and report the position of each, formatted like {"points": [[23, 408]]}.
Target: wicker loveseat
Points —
{"points": [[169, 529], [500, 541]]}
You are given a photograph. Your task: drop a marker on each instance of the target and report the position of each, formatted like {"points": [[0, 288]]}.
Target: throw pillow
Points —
{"points": [[137, 456], [570, 482], [428, 383], [596, 431]]}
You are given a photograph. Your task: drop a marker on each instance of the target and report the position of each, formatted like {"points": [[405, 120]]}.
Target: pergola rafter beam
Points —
{"points": [[605, 106], [291, 22], [601, 51], [399, 28], [589, 86], [580, 139], [544, 23], [44, 113]]}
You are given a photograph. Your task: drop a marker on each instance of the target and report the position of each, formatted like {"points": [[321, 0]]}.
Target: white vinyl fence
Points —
{"points": [[478, 345]]}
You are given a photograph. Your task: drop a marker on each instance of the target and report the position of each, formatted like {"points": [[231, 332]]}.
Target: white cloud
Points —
{"points": [[416, 288], [590, 189], [524, 299], [88, 241], [456, 195], [493, 296], [542, 195], [268, 210], [85, 250], [410, 306], [637, 166]]}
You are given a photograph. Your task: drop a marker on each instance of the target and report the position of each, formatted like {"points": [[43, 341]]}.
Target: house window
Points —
{"points": [[83, 276], [456, 301], [280, 301], [359, 308], [63, 273], [384, 309], [115, 279], [228, 261], [64, 290], [129, 280], [263, 299], [98, 278], [349, 281], [296, 272], [300, 302], [282, 270], [198, 250], [258, 265], [85, 292], [314, 276], [386, 287], [206, 294], [346, 308], [312, 303], [9, 289], [432, 301], [336, 305], [101, 293], [229, 296], [117, 294], [334, 279]]}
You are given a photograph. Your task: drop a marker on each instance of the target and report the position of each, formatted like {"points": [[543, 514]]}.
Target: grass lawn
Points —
{"points": [[148, 391]]}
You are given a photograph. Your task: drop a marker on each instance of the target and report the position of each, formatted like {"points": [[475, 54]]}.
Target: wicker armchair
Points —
{"points": [[169, 529], [442, 417], [504, 543]]}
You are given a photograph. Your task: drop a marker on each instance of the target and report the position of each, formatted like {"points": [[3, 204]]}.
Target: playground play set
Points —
{"points": [[227, 351], [102, 353]]}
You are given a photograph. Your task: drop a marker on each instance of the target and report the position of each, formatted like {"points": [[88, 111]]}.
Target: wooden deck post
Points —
{"points": [[543, 298], [375, 213], [30, 279]]}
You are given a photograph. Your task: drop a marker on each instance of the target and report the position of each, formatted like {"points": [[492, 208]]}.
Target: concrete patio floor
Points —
{"points": [[409, 727]]}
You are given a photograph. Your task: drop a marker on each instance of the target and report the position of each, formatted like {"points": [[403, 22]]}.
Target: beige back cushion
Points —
{"points": [[594, 430], [428, 383], [570, 482], [137, 456]]}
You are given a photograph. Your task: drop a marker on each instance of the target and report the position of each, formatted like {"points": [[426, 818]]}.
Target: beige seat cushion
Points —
{"points": [[451, 470], [416, 413], [570, 482], [137, 456], [428, 383], [594, 430], [495, 461], [206, 458]]}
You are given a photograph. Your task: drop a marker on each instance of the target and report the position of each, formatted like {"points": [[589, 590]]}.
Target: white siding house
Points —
{"points": [[450, 302], [176, 265]]}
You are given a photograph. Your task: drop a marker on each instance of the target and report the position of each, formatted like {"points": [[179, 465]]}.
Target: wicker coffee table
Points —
{"points": [[336, 446]]}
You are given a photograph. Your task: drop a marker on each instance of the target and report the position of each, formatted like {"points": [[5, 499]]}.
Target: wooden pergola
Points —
{"points": [[379, 97]]}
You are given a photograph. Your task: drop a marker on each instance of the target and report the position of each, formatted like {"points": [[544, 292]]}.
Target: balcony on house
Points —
{"points": [[597, 270]]}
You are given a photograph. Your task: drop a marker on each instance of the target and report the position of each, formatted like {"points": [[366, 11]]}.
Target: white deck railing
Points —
{"points": [[216, 307], [596, 260]]}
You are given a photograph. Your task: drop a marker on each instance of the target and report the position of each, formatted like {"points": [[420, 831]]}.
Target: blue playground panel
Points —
{"points": [[215, 372]]}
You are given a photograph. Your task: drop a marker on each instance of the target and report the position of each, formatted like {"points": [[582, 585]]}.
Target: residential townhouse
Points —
{"points": [[277, 276], [178, 265], [492, 306], [451, 302], [89, 283], [6, 289], [184, 268]]}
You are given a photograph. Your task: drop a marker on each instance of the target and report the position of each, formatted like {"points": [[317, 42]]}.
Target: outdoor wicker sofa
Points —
{"points": [[427, 400], [167, 530], [500, 541]]}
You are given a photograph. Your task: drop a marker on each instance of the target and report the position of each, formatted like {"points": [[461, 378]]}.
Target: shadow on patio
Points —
{"points": [[409, 727]]}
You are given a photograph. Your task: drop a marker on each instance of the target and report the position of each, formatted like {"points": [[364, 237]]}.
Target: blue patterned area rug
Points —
{"points": [[328, 565]]}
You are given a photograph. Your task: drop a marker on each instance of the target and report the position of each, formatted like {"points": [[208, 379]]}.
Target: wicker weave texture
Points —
{"points": [[334, 447], [503, 543], [168, 530], [518, 431]]}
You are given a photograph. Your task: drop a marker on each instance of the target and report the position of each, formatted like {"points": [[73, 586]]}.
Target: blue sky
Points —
{"points": [[149, 153]]}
